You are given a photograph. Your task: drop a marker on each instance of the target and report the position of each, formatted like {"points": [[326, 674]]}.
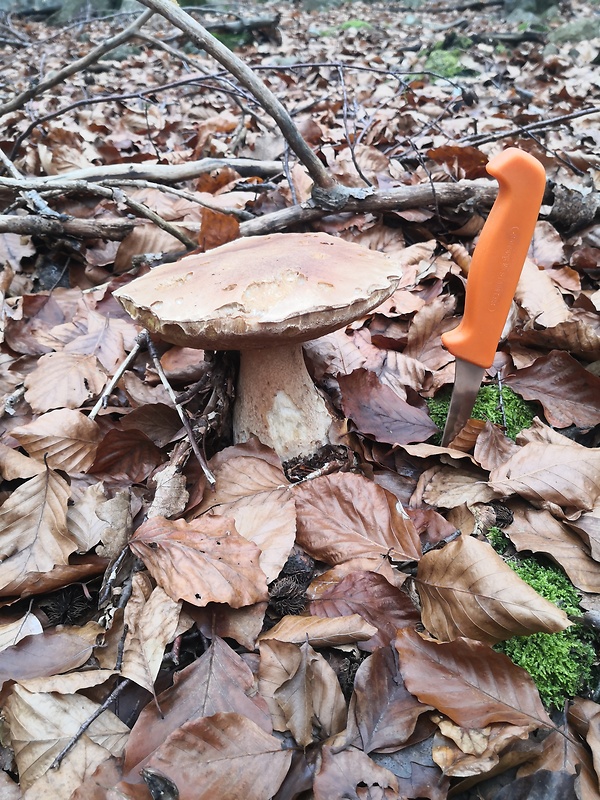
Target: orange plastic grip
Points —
{"points": [[499, 256]]}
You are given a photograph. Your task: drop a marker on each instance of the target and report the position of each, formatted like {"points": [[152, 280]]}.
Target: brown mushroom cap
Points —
{"points": [[261, 291]]}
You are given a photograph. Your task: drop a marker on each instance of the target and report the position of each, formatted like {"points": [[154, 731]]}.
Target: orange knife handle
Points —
{"points": [[499, 256]]}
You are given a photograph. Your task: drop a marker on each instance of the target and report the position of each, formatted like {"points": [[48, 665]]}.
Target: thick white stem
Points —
{"points": [[278, 402]]}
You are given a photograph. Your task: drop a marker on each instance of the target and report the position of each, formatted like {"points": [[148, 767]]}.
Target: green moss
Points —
{"points": [[445, 63], [498, 540], [519, 413], [559, 663], [358, 24]]}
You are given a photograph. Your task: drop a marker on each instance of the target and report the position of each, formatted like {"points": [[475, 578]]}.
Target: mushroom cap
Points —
{"points": [[261, 291]]}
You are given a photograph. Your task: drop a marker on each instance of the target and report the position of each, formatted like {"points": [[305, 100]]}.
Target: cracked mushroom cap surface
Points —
{"points": [[261, 291]]}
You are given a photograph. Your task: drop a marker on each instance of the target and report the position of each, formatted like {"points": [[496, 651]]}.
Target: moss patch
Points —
{"points": [[559, 663], [519, 413], [445, 63]]}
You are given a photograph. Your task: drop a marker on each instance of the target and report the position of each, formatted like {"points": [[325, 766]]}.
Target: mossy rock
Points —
{"points": [[519, 413], [445, 63], [581, 30]]}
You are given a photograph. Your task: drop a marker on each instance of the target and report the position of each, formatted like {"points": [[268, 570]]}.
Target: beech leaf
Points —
{"points": [[469, 682], [63, 380], [321, 632], [342, 773], [203, 561], [467, 589]]}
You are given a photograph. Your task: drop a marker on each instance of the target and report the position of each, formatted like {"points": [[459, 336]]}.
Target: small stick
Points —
{"points": [[83, 728], [103, 399], [180, 410]]}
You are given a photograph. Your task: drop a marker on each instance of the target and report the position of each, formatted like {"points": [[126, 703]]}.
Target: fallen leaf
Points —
{"points": [[588, 528], [218, 681], [342, 773], [540, 297], [14, 464], [467, 589], [372, 597], [243, 625], [158, 421], [321, 632], [378, 411], [546, 247], [13, 632], [492, 447], [127, 455], [63, 380], [203, 561], [311, 698], [41, 724], [170, 495], [463, 752], [469, 682], [83, 523], [225, 755], [450, 487], [344, 516], [569, 393], [65, 439], [578, 335], [382, 713], [425, 332], [567, 475], [33, 521]]}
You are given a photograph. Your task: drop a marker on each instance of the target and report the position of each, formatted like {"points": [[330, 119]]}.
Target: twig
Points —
{"points": [[83, 728], [115, 230], [76, 66], [31, 195], [140, 340], [180, 410], [11, 401], [484, 138]]}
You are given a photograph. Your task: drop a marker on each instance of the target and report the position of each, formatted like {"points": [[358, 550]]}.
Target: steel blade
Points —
{"points": [[467, 380]]}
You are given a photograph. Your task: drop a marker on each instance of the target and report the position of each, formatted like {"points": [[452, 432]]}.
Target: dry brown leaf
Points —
{"points": [[378, 411], [469, 682], [450, 487], [321, 632], [569, 393], [33, 521], [584, 715], [63, 380], [493, 448], [151, 618], [14, 464], [243, 625], [218, 681], [80, 568], [224, 755], [342, 773], [462, 752], [372, 597], [170, 495], [9, 790], [311, 698], [344, 516], [278, 662], [217, 228], [117, 514], [567, 475], [41, 724], [13, 632], [467, 589], [70, 683], [579, 335], [540, 297], [336, 354], [203, 561], [540, 532], [44, 654], [382, 713], [547, 247], [424, 335], [158, 421], [588, 527], [126, 455], [83, 523], [65, 438]]}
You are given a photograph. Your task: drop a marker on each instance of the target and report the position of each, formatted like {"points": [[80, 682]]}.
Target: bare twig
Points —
{"points": [[542, 124], [83, 728], [123, 366], [31, 196], [181, 411]]}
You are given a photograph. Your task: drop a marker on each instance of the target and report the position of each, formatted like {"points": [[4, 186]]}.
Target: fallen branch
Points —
{"points": [[114, 229]]}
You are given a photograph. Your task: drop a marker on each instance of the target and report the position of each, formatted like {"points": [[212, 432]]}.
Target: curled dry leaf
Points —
{"points": [[170, 496], [540, 297], [82, 521], [567, 475], [311, 698], [33, 521], [578, 335], [203, 561], [569, 393], [12, 632], [278, 662], [467, 589], [588, 527], [468, 682], [80, 568], [41, 724], [63, 380], [225, 755], [450, 487], [538, 531], [14, 464], [159, 422], [382, 713], [344, 516], [341, 774], [378, 411], [127, 455], [243, 625], [462, 752], [424, 335], [492, 447], [372, 597], [319, 632], [219, 681]]}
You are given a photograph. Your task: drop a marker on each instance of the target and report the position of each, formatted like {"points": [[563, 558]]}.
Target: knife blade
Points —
{"points": [[494, 273]]}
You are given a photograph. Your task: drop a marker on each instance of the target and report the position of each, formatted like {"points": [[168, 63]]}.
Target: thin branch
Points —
{"points": [[102, 401], [76, 66], [114, 229], [542, 124]]}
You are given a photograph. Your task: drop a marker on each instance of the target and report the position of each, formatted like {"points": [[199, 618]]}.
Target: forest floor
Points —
{"points": [[392, 618]]}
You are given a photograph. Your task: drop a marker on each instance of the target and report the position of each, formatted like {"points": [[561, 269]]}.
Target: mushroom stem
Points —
{"points": [[278, 402]]}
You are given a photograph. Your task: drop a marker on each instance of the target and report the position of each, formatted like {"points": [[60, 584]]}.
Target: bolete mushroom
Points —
{"points": [[265, 296]]}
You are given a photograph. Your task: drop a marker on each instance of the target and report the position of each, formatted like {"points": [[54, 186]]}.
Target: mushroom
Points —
{"points": [[265, 296]]}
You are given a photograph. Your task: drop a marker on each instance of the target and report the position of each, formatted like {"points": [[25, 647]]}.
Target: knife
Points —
{"points": [[493, 276]]}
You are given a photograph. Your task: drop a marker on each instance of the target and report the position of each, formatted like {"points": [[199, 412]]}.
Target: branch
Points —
{"points": [[113, 229], [58, 77]]}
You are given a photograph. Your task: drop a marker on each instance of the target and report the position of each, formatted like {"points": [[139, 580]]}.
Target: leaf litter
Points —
{"points": [[315, 629]]}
